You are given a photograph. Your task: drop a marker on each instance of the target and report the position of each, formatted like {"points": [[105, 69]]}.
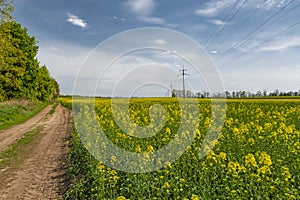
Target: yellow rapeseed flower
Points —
{"points": [[235, 168], [222, 156], [195, 197], [286, 173], [265, 159], [168, 130], [121, 198], [251, 141], [166, 185], [264, 169], [150, 148], [138, 148], [250, 160]]}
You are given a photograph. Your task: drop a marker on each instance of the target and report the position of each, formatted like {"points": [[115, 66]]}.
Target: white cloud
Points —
{"points": [[60, 57], [214, 7], [118, 18], [73, 19], [218, 22], [152, 20], [214, 52], [160, 41], [141, 7], [282, 44], [269, 4]]}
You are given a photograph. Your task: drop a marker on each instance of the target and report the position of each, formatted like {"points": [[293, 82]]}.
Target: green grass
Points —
{"points": [[16, 112], [52, 111], [14, 155]]}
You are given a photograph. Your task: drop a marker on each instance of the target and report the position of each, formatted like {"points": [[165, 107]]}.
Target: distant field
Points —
{"points": [[256, 156], [16, 112]]}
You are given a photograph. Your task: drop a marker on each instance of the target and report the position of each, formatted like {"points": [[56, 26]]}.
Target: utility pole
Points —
{"points": [[183, 74], [169, 89]]}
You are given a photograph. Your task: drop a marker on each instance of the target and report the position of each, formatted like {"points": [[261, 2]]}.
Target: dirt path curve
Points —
{"points": [[42, 175], [11, 135]]}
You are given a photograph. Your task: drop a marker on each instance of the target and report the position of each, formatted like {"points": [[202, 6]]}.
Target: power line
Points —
{"points": [[255, 47], [216, 29], [224, 26], [241, 24], [260, 44], [246, 38]]}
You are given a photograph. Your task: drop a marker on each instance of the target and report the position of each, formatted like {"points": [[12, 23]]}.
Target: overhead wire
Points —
{"points": [[224, 26], [262, 43], [242, 23], [216, 29], [250, 35], [265, 41]]}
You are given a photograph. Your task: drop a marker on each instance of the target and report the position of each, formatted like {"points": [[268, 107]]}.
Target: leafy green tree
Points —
{"points": [[5, 10], [20, 73]]}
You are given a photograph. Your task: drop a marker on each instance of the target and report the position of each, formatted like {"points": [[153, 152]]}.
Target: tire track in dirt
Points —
{"points": [[11, 135], [42, 174]]}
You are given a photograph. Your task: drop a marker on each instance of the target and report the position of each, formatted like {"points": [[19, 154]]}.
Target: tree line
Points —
{"points": [[247, 94], [21, 75]]}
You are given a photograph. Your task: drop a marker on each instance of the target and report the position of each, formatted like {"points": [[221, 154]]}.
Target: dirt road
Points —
{"points": [[11, 135], [42, 174]]}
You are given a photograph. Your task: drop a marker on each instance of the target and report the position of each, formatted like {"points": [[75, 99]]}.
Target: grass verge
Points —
{"points": [[14, 155], [18, 111]]}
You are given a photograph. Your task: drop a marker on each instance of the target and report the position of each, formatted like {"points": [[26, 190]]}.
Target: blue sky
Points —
{"points": [[251, 49]]}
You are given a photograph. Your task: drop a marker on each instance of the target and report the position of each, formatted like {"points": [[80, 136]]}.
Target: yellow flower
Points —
{"points": [[198, 134], [168, 130], [150, 148], [166, 185], [251, 141], [265, 159], [101, 166], [222, 156], [138, 148], [263, 170], [121, 198], [235, 168], [211, 154], [195, 197], [116, 178], [236, 131], [250, 160], [286, 173]]}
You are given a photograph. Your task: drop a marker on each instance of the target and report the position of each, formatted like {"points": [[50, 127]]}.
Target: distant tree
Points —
{"points": [[265, 93], [276, 92], [233, 94], [243, 94], [227, 94], [173, 93], [258, 93]]}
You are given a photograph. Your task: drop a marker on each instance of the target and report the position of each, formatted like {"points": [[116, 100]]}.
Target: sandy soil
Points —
{"points": [[42, 174]]}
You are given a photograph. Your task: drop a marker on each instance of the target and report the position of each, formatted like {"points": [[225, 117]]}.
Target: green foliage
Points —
{"points": [[20, 73], [6, 9], [16, 112]]}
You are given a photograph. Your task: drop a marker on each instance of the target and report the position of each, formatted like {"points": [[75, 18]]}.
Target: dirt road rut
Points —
{"points": [[42, 174]]}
